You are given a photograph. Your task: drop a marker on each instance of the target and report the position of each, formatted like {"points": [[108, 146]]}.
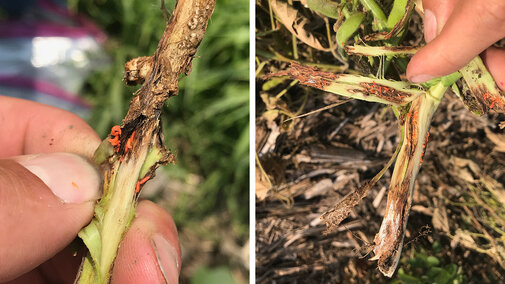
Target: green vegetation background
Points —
{"points": [[206, 125]]}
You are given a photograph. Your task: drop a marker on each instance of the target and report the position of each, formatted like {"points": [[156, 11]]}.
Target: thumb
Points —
{"points": [[472, 27], [44, 201]]}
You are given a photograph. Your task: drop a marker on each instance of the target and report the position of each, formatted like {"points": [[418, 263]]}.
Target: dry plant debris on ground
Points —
{"points": [[458, 199], [308, 164]]}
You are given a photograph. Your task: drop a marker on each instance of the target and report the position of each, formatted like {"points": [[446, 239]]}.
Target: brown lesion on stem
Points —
{"points": [[339, 212], [139, 142], [385, 92], [480, 93], [307, 75], [389, 240], [487, 99], [471, 102], [137, 70], [480, 100], [398, 50], [159, 74]]}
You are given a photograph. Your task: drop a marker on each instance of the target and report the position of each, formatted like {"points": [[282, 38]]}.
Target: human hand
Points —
{"points": [[456, 31], [45, 199]]}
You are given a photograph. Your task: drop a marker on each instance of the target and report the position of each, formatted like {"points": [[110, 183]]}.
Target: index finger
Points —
{"points": [[28, 128]]}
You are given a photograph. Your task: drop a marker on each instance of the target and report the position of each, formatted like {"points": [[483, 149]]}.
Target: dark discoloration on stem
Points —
{"points": [[399, 50], [307, 75], [471, 102], [385, 92], [363, 86], [479, 90], [138, 146], [337, 214], [160, 72], [487, 99], [173, 57], [389, 240], [137, 70]]}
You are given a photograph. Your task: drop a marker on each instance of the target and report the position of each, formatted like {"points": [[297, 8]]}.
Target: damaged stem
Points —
{"points": [[130, 156]]}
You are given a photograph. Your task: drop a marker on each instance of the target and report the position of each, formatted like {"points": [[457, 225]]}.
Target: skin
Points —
{"points": [[463, 30], [39, 226]]}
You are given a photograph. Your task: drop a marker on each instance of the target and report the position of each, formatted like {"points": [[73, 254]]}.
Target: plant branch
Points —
{"points": [[131, 154]]}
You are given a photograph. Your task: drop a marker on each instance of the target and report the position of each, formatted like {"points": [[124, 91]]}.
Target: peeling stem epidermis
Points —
{"points": [[120, 208]]}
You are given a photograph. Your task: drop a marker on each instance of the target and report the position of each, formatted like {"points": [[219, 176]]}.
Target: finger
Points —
{"points": [[44, 201], [472, 27], [150, 251], [31, 277], [494, 58], [29, 127], [436, 13], [62, 268]]}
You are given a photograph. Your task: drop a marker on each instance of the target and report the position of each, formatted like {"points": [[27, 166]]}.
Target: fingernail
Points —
{"points": [[167, 258], [70, 177], [421, 78], [430, 25]]}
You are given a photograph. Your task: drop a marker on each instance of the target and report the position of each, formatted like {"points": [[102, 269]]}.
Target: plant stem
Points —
{"points": [[378, 14], [138, 145], [389, 240]]}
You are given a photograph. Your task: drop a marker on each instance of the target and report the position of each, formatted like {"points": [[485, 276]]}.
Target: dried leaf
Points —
{"points": [[262, 187], [269, 145], [440, 219], [295, 23], [320, 188], [297, 189], [463, 163], [497, 139], [464, 238], [337, 214]]}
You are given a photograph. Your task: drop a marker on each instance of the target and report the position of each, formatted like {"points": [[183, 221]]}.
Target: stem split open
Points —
{"points": [[139, 145]]}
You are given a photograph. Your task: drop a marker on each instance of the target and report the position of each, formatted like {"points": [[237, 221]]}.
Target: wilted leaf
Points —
{"points": [[295, 23]]}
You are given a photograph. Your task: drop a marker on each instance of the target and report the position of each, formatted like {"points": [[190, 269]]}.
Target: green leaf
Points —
{"points": [[447, 81], [378, 14], [220, 275], [90, 235], [408, 279], [272, 83], [154, 155], [432, 261], [396, 13], [349, 27], [326, 7]]}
